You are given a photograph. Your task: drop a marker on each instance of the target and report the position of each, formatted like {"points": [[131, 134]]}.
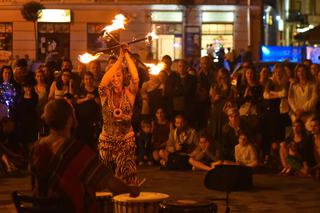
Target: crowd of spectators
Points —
{"points": [[187, 116]]}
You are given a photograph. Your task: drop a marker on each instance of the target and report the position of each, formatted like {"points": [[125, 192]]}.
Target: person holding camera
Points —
{"points": [[117, 140]]}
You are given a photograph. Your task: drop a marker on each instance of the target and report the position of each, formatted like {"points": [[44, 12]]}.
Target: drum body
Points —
{"points": [[104, 202], [146, 202], [188, 206]]}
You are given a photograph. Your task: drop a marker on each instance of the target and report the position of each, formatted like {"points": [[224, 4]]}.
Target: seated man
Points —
{"points": [[182, 141], [206, 155], [65, 168]]}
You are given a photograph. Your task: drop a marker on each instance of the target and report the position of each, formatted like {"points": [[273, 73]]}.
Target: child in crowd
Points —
{"points": [[144, 140], [245, 153]]}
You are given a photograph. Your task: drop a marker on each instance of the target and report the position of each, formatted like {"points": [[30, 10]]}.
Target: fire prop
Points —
{"points": [[117, 23], [87, 57], [155, 69]]}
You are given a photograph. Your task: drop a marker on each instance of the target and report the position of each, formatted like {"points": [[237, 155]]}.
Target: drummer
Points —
{"points": [[62, 167]]}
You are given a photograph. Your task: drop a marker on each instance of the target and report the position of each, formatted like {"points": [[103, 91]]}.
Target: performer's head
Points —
{"points": [[59, 115], [118, 79]]}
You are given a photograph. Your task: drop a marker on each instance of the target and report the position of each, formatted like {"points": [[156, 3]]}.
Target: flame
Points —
{"points": [[155, 69], [153, 35], [117, 23], [87, 57]]}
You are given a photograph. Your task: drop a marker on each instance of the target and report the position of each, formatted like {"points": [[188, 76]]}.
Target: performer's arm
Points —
{"points": [[134, 83], [106, 79]]}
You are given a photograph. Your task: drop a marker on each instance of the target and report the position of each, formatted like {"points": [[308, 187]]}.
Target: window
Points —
{"points": [[166, 16], [5, 36], [217, 16]]}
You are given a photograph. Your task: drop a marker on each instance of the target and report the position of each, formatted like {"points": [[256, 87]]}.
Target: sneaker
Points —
{"points": [[141, 163]]}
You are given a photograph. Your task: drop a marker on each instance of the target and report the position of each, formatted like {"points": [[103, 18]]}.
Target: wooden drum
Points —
{"points": [[183, 206], [146, 202], [104, 202]]}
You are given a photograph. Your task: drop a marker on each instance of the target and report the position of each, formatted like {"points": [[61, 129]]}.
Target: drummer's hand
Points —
{"points": [[134, 191]]}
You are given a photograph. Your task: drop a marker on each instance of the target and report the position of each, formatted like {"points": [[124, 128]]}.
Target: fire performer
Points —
{"points": [[116, 141]]}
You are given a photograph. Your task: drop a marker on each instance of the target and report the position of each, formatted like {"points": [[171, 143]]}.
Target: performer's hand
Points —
{"points": [[125, 47]]}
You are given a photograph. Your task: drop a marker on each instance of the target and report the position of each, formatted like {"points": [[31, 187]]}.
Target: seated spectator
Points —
{"points": [[182, 140], [63, 167], [160, 131], [206, 155], [144, 139], [230, 134], [313, 149], [292, 151], [245, 152]]}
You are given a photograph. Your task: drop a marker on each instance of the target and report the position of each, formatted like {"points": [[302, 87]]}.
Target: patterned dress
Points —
{"points": [[116, 142]]}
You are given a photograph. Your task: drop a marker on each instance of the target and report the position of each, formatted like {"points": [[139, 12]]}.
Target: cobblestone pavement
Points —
{"points": [[271, 192]]}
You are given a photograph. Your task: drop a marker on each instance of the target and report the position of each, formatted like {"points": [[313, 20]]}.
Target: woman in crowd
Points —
{"points": [[274, 93], [62, 86], [221, 94], [9, 92], [116, 141], [160, 131], [88, 111], [303, 96], [292, 151]]}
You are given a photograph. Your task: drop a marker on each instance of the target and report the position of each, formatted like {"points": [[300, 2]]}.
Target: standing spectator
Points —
{"points": [[172, 79], [302, 95], [95, 69], [206, 77], [184, 93], [152, 94], [9, 92], [221, 94], [88, 111], [62, 86], [26, 116]]}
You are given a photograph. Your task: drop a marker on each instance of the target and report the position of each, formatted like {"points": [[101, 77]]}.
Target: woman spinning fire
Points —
{"points": [[116, 141]]}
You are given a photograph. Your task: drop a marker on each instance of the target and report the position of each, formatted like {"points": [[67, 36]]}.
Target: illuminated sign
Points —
{"points": [[55, 15]]}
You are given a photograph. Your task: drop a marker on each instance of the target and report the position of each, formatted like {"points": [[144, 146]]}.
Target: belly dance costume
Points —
{"points": [[117, 142]]}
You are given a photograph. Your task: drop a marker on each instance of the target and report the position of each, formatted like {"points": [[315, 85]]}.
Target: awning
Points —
{"points": [[312, 35]]}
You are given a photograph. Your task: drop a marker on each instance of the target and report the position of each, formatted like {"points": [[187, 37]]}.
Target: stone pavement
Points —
{"points": [[271, 192]]}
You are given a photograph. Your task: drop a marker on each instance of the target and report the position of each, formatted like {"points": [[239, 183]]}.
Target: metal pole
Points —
{"points": [[249, 21]]}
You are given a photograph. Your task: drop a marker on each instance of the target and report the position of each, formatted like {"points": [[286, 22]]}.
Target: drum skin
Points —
{"points": [[146, 202], [188, 206]]}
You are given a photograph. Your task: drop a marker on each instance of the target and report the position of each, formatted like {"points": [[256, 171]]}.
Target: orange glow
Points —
{"points": [[155, 69], [153, 35], [87, 57], [117, 23]]}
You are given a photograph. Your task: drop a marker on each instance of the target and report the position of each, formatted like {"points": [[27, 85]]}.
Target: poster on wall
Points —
{"points": [[192, 41]]}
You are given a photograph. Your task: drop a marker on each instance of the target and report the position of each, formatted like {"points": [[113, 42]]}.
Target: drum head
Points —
{"points": [[189, 203], [103, 194], [143, 197]]}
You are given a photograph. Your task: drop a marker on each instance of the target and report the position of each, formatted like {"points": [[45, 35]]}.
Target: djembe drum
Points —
{"points": [[146, 202], [183, 206], [104, 202]]}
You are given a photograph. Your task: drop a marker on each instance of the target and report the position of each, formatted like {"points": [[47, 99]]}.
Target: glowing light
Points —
{"points": [[155, 69], [117, 23], [87, 57], [152, 36], [265, 50]]}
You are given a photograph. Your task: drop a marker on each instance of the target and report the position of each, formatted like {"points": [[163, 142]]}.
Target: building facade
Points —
{"points": [[185, 28]]}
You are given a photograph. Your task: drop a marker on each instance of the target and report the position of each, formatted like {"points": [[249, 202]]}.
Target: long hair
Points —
{"points": [[11, 81]]}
